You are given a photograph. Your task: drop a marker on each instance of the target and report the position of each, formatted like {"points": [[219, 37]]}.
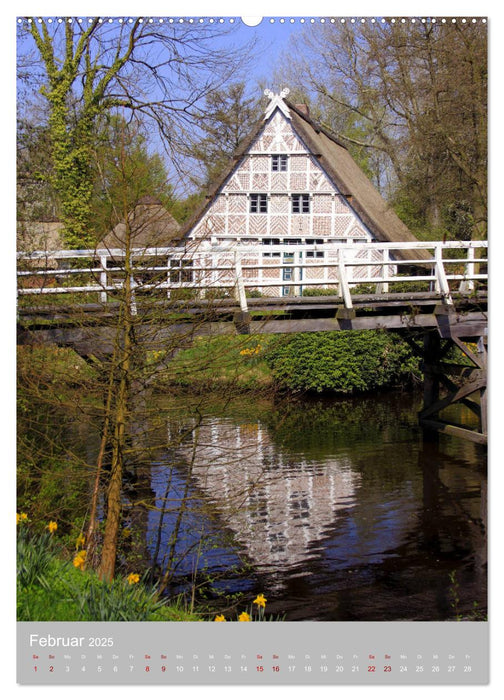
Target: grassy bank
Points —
{"points": [[53, 585], [344, 362], [238, 362]]}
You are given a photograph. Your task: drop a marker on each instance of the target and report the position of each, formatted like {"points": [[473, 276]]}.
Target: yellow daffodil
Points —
{"points": [[80, 560], [220, 618], [244, 617], [21, 518], [80, 541], [133, 578], [52, 527], [260, 601]]}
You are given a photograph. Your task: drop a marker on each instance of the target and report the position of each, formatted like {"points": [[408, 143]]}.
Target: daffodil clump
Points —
{"points": [[48, 587], [80, 560], [251, 351], [255, 614]]}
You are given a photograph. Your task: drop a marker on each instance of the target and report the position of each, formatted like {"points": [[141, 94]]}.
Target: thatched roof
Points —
{"points": [[351, 181], [151, 226], [39, 235], [341, 169]]}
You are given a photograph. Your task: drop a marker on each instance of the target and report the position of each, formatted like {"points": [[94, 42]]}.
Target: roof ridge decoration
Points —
{"points": [[277, 101]]}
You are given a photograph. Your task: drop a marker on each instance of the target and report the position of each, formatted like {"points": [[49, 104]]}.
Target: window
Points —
{"points": [[181, 271], [258, 203], [287, 274], [279, 163], [315, 254], [300, 203]]}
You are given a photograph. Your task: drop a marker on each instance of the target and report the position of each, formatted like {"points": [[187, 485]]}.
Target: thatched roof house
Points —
{"points": [[327, 169], [39, 235], [151, 226]]}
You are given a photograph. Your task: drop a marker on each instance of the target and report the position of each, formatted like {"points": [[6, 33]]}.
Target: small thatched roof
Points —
{"points": [[39, 235], [341, 169], [151, 226]]}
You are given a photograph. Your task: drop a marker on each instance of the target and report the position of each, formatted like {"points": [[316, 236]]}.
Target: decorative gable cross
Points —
{"points": [[277, 101]]}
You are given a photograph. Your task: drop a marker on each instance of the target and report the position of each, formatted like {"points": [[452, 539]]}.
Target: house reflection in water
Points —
{"points": [[277, 504]]}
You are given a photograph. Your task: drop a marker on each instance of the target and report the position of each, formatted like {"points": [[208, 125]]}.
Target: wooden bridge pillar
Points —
{"points": [[459, 382], [431, 354]]}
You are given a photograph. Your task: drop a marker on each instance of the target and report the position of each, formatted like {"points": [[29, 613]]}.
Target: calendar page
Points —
{"points": [[252, 339]]}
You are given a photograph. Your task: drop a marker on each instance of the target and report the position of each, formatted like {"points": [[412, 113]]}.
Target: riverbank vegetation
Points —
{"points": [[343, 362], [53, 585]]}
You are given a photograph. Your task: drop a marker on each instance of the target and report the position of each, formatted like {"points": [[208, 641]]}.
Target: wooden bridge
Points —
{"points": [[438, 301]]}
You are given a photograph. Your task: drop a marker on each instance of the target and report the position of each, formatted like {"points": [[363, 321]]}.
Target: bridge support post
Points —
{"points": [[472, 381], [431, 353]]}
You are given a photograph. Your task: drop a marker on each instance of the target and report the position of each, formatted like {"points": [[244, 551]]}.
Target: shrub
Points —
{"points": [[319, 292], [344, 362]]}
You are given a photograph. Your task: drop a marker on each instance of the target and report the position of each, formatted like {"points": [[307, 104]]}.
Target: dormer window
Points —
{"points": [[279, 163], [300, 203], [258, 203]]}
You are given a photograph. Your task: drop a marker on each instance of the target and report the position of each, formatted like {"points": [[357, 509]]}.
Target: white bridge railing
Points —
{"points": [[272, 270]]}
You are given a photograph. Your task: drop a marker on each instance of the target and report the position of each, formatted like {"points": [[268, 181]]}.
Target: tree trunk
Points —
{"points": [[106, 569]]}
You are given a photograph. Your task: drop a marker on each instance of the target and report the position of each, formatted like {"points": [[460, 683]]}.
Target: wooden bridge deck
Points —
{"points": [[466, 317], [439, 318]]}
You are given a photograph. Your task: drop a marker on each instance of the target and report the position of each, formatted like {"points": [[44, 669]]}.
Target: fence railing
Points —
{"points": [[270, 270]]}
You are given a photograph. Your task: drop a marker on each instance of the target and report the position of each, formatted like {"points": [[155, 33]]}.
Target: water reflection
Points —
{"points": [[341, 508], [276, 504]]}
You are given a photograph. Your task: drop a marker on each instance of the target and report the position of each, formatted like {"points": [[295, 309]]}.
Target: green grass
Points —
{"points": [[222, 361], [50, 587], [53, 365]]}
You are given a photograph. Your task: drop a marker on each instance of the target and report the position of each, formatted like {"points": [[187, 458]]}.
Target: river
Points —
{"points": [[334, 509]]}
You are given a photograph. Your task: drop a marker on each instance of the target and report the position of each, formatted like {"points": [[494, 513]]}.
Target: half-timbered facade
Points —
{"points": [[293, 194]]}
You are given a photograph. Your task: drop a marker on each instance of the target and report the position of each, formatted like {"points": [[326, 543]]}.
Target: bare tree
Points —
{"points": [[413, 92], [85, 68]]}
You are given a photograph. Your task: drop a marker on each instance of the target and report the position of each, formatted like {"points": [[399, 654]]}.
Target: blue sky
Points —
{"points": [[273, 39]]}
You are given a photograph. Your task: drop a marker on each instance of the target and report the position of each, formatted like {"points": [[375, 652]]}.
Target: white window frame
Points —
{"points": [[279, 163], [258, 200], [300, 203]]}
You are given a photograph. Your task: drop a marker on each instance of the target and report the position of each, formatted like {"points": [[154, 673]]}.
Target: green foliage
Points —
{"points": [[408, 287], [183, 209], [124, 171], [319, 292], [117, 601], [49, 587], [54, 389], [344, 362], [34, 558], [225, 361]]}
